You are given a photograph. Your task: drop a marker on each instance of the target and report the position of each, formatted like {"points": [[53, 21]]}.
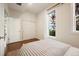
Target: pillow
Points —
{"points": [[72, 51]]}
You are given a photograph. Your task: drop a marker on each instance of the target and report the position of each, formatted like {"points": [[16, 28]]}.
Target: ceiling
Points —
{"points": [[31, 7]]}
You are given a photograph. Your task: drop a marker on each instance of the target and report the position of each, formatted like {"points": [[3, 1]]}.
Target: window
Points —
{"points": [[52, 24], [76, 17]]}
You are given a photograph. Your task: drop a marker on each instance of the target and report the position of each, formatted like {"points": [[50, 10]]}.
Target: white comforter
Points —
{"points": [[44, 48]]}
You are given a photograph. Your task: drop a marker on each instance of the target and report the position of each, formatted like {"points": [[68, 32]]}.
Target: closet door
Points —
{"points": [[28, 30], [14, 30]]}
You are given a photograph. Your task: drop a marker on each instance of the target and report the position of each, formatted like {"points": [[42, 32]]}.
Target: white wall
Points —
{"points": [[41, 25], [13, 13], [64, 18], [14, 28], [28, 23], [64, 21]]}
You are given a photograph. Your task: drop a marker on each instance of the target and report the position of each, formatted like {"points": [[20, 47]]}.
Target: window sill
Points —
{"points": [[75, 32], [52, 37]]}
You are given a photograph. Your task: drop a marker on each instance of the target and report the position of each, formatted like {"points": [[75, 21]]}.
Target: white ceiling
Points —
{"points": [[34, 7]]}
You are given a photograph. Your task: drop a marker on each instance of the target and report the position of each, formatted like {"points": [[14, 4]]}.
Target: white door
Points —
{"points": [[28, 30], [14, 30], [2, 41]]}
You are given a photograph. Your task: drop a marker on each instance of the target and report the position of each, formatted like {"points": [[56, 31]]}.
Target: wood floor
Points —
{"points": [[17, 45]]}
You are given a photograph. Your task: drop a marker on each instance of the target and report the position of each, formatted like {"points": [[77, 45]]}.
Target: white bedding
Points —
{"points": [[44, 48], [72, 51]]}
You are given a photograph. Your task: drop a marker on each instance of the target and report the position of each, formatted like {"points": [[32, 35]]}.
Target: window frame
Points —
{"points": [[74, 19], [48, 23]]}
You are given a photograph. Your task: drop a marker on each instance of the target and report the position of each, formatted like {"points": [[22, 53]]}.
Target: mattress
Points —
{"points": [[44, 48]]}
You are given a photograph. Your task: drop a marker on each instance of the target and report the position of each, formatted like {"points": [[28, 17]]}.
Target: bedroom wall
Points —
{"points": [[13, 18], [41, 25], [64, 18], [64, 24], [28, 23], [13, 13]]}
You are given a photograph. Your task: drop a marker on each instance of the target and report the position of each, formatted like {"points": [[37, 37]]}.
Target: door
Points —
{"points": [[28, 30], [14, 30], [2, 41]]}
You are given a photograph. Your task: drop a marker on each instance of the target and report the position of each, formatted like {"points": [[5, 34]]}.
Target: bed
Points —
{"points": [[48, 47]]}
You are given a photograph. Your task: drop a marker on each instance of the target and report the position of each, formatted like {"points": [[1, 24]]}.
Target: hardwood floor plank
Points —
{"points": [[17, 45]]}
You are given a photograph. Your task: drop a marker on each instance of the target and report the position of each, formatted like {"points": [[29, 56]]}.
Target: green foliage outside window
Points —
{"points": [[51, 32]]}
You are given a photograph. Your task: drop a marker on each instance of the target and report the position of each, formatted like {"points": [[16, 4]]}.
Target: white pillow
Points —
{"points": [[72, 51]]}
